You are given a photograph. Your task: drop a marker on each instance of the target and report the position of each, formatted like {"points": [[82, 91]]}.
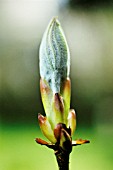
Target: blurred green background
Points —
{"points": [[88, 26]]}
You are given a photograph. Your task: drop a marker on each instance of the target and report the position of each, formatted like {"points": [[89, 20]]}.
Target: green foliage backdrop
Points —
{"points": [[89, 33]]}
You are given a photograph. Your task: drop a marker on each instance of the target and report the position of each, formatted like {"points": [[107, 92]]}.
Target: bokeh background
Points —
{"points": [[88, 26]]}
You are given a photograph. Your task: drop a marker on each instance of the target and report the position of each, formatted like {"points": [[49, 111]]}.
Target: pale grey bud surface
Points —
{"points": [[54, 56]]}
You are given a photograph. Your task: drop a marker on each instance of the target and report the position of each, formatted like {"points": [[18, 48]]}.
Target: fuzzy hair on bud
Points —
{"points": [[54, 56]]}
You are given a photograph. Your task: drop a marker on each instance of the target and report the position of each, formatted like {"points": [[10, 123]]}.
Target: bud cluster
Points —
{"points": [[59, 123]]}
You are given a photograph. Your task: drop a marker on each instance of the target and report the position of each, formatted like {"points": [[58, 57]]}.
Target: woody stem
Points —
{"points": [[62, 159]]}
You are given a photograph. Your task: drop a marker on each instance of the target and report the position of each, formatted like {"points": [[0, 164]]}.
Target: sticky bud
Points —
{"points": [[54, 56]]}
